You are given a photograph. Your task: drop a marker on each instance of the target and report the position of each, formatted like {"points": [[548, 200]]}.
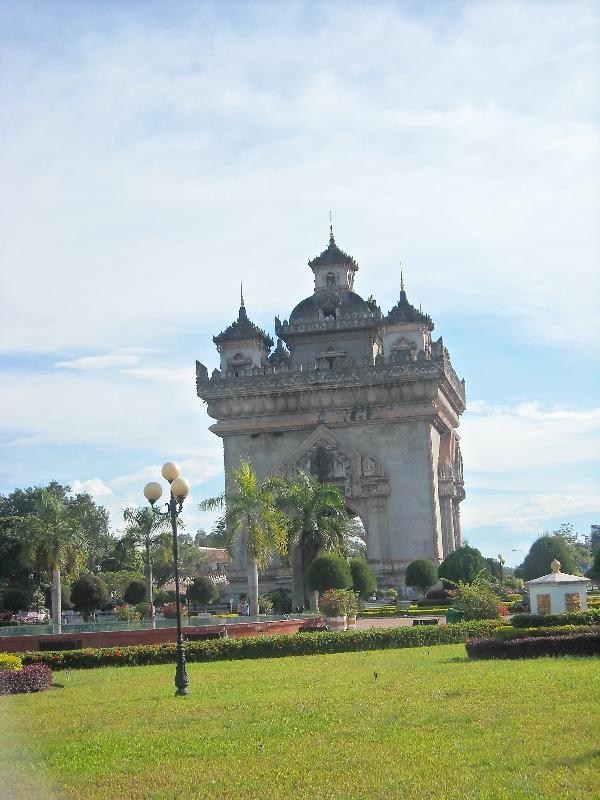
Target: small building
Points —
{"points": [[557, 592]]}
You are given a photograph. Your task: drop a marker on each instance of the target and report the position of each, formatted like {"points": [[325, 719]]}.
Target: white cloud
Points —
{"points": [[516, 439], [94, 486], [465, 145], [99, 362]]}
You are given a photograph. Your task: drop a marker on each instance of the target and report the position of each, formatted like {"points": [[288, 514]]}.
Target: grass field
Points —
{"points": [[431, 725]]}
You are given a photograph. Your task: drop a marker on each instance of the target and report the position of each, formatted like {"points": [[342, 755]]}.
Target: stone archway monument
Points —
{"points": [[354, 397]]}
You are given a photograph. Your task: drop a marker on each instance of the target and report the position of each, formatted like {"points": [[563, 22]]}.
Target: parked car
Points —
{"points": [[31, 617]]}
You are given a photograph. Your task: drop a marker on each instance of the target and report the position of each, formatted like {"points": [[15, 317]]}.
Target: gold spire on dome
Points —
{"points": [[241, 294], [555, 565]]}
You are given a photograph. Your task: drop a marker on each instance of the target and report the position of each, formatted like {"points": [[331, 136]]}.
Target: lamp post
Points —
{"points": [[179, 491], [502, 562]]}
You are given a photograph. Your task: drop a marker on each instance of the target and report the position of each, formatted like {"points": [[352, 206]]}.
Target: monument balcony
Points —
{"points": [[281, 389], [345, 323]]}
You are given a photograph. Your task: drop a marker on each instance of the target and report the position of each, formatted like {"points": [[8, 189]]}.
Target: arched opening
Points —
{"points": [[331, 279], [357, 534]]}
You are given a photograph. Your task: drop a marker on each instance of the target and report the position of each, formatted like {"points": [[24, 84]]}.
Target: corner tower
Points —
{"points": [[365, 401]]}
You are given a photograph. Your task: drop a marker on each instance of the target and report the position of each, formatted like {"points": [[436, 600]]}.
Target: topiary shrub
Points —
{"points": [[573, 644], [32, 678], [363, 577], [421, 574], [10, 663], [135, 592], [329, 571], [202, 591], [590, 617], [463, 565], [88, 593]]}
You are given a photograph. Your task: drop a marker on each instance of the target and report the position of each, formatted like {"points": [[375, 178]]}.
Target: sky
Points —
{"points": [[153, 155]]}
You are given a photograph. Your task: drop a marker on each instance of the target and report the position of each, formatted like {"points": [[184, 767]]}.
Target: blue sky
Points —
{"points": [[155, 154]]}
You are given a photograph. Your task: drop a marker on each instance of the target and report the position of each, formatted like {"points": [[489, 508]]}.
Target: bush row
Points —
{"points": [[382, 613], [32, 678], [506, 632], [574, 644], [9, 663], [295, 644], [591, 617]]}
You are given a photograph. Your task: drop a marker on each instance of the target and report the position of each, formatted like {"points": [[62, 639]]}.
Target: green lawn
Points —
{"points": [[432, 725]]}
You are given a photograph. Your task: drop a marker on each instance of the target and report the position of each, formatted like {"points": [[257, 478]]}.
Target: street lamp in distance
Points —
{"points": [[179, 491]]}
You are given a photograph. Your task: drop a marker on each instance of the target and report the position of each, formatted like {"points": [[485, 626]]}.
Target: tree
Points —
{"points": [[135, 592], [329, 571], [251, 523], [579, 547], [541, 555], [594, 571], [316, 521], [464, 564], [145, 528], [202, 590], [88, 593], [421, 574], [363, 578], [53, 542]]}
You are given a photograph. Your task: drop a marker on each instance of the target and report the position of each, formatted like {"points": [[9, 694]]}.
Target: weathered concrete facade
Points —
{"points": [[366, 401]]}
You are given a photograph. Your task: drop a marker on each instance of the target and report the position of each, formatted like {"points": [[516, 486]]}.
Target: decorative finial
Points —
{"points": [[242, 315], [555, 565], [401, 280], [331, 239]]}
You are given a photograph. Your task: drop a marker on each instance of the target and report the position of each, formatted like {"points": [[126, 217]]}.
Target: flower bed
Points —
{"points": [[32, 678], [574, 644], [297, 644]]}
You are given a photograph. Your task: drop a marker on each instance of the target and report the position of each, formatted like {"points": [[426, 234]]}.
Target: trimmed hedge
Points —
{"points": [[591, 617], [32, 678], [505, 632], [278, 646], [574, 644]]}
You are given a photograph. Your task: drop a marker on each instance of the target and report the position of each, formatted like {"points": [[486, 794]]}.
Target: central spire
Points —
{"points": [[242, 314]]}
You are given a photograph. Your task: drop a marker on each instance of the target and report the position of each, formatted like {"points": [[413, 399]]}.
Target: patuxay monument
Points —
{"points": [[365, 400]]}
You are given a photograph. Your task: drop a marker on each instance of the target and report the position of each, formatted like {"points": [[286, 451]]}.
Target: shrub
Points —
{"points": [[573, 644], [333, 603], [421, 574], [264, 646], [590, 617], [10, 663], [88, 593], [281, 600], [265, 604], [441, 594], [463, 565], [363, 577], [477, 601], [127, 613], [32, 678], [162, 596], [329, 571], [542, 553], [391, 594], [202, 590], [506, 632], [169, 610], [144, 610], [135, 592]]}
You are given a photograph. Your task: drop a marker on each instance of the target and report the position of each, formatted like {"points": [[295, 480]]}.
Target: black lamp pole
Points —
{"points": [[181, 678], [179, 490]]}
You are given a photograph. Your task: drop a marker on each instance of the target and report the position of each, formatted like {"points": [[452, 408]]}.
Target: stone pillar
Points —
{"points": [[446, 509]]}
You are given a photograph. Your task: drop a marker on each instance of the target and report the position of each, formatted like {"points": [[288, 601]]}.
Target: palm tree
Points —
{"points": [[53, 542], [252, 520], [144, 527], [316, 521]]}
